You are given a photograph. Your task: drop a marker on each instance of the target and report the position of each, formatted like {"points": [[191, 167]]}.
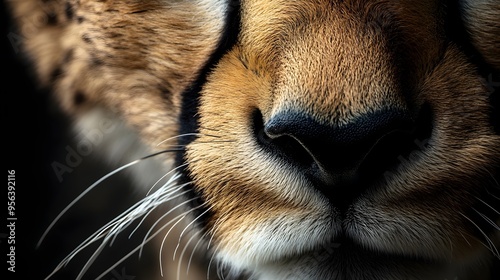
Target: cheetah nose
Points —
{"points": [[331, 153]]}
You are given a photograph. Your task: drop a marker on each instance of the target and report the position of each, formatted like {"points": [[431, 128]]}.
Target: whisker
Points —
{"points": [[190, 224], [466, 240], [166, 235], [493, 178], [118, 224], [212, 233], [210, 240], [100, 233], [496, 185], [489, 206], [491, 246], [79, 197], [187, 135], [58, 217], [162, 177], [151, 202], [93, 258], [194, 250], [152, 209], [213, 141], [178, 136], [165, 215], [210, 264], [163, 242], [182, 254], [139, 247], [487, 219], [220, 270]]}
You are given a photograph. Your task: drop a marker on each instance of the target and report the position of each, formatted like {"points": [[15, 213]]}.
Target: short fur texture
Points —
{"points": [[168, 69]]}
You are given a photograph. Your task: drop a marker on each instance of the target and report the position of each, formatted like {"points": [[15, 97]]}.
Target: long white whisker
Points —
{"points": [[139, 247], [194, 250], [497, 185], [189, 225], [99, 234], [93, 258], [82, 195], [58, 217], [214, 229], [220, 270], [178, 136], [162, 177], [487, 219], [182, 254], [172, 192], [119, 220], [119, 223], [163, 242], [210, 264], [163, 216], [150, 202], [171, 228], [466, 240], [489, 206], [210, 240], [491, 246]]}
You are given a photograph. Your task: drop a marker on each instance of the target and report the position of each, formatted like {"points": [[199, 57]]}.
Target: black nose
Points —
{"points": [[334, 156]]}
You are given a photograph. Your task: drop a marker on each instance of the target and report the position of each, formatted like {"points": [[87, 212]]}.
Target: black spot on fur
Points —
{"points": [[95, 62], [139, 12], [79, 98], [86, 38], [165, 93], [114, 35], [80, 19], [55, 74], [51, 18], [69, 11], [68, 56]]}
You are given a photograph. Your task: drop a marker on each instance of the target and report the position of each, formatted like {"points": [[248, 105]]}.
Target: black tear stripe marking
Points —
{"points": [[189, 118]]}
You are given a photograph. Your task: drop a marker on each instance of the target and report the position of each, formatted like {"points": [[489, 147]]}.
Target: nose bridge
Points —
{"points": [[336, 76]]}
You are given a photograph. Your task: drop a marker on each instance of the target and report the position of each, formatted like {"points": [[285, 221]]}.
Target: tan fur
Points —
{"points": [[335, 61], [268, 71], [150, 80]]}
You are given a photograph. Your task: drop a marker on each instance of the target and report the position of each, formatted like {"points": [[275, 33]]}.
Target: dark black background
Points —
{"points": [[30, 134]]}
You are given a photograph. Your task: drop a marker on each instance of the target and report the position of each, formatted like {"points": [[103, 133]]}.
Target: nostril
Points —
{"points": [[399, 145], [282, 145], [336, 149], [341, 160]]}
